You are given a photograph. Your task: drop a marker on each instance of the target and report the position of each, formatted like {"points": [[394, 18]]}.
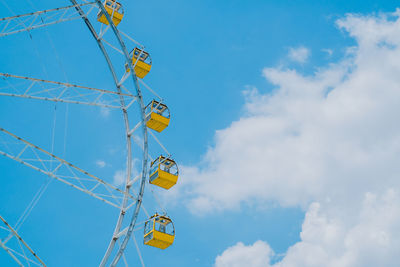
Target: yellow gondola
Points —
{"points": [[159, 231], [142, 62], [163, 172], [114, 9], [157, 116]]}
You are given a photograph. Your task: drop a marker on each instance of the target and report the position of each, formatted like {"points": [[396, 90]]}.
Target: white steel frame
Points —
{"points": [[34, 20], [62, 92], [69, 93], [15, 255]]}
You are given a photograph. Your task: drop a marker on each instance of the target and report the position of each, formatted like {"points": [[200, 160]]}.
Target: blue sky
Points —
{"points": [[205, 55]]}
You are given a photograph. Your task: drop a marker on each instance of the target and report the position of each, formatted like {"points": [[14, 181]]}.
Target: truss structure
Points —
{"points": [[35, 20], [24, 254], [34, 157], [109, 39], [26, 87]]}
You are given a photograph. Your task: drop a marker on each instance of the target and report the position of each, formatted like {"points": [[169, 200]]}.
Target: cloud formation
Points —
{"points": [[256, 255], [331, 135], [328, 142], [299, 54], [100, 163], [361, 234], [119, 178], [120, 175]]}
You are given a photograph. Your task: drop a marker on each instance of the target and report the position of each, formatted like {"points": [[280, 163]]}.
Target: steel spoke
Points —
{"points": [[11, 253], [22, 243], [34, 20], [60, 92], [65, 172]]}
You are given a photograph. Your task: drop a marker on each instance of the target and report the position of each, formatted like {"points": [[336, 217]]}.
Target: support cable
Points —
{"points": [[158, 201], [138, 250]]}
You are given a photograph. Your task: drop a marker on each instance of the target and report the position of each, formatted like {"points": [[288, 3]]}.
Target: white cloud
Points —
{"points": [[105, 112], [120, 175], [335, 236], [256, 255], [100, 163], [334, 134], [364, 234], [299, 54], [119, 178], [328, 51], [329, 142], [136, 166]]}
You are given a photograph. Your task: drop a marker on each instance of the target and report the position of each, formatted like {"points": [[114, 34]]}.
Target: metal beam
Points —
{"points": [[127, 129], [32, 88], [34, 20], [19, 238], [42, 161]]}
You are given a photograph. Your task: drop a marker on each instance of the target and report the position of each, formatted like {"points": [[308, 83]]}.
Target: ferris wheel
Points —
{"points": [[144, 116]]}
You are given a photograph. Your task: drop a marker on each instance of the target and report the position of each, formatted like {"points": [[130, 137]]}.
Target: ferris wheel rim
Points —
{"points": [[128, 135]]}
